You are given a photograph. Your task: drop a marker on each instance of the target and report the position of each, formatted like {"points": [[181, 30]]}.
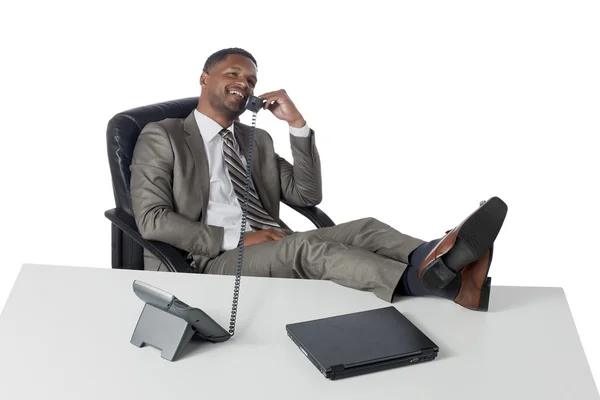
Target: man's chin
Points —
{"points": [[235, 106]]}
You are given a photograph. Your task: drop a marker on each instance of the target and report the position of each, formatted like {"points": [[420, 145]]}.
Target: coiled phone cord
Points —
{"points": [[238, 269]]}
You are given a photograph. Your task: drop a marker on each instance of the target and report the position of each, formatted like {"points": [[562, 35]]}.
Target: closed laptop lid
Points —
{"points": [[360, 338]]}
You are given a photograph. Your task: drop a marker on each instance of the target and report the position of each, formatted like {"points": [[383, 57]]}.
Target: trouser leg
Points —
{"points": [[372, 235], [363, 254]]}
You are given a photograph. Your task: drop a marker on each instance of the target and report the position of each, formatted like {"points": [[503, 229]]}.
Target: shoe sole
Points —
{"points": [[478, 232]]}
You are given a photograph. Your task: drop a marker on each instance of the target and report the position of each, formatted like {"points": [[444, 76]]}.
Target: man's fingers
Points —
{"points": [[265, 95], [279, 234], [275, 234], [269, 100], [272, 236], [273, 93], [270, 97]]}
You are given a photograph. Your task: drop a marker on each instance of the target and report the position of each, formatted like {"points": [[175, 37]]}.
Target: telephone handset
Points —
{"points": [[203, 325], [254, 103]]}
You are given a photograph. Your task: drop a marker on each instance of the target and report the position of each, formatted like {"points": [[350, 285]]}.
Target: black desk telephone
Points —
{"points": [[198, 321]]}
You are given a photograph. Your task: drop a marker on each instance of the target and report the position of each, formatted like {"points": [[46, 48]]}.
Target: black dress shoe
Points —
{"points": [[463, 245], [475, 285]]}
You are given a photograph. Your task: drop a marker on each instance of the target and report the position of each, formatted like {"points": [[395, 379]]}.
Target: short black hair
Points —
{"points": [[220, 55]]}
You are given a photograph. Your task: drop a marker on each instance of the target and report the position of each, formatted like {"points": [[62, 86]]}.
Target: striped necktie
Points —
{"points": [[256, 214]]}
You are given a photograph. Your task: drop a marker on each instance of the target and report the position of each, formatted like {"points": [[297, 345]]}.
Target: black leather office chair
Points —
{"points": [[121, 136]]}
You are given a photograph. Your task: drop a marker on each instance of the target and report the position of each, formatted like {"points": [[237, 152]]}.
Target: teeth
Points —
{"points": [[236, 92]]}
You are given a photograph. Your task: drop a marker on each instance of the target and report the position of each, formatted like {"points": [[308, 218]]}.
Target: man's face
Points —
{"points": [[229, 83]]}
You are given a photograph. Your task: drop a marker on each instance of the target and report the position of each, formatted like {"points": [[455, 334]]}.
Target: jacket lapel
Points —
{"points": [[242, 135], [195, 142]]}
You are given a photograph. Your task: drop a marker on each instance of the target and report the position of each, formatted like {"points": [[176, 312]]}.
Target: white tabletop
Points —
{"points": [[65, 332]]}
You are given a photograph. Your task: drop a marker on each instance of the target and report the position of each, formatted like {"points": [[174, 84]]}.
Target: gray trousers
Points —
{"points": [[365, 254]]}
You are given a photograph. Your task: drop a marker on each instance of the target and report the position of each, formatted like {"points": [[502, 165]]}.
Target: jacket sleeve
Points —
{"points": [[301, 182], [152, 194]]}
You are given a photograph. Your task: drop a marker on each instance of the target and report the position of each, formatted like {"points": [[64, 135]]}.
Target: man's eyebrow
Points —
{"points": [[239, 69]]}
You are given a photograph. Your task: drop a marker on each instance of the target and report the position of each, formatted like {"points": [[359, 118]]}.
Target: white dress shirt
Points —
{"points": [[223, 206]]}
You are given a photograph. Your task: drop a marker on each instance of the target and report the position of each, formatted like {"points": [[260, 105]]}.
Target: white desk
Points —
{"points": [[65, 331]]}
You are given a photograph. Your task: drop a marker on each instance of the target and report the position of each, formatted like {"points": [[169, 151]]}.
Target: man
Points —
{"points": [[187, 180]]}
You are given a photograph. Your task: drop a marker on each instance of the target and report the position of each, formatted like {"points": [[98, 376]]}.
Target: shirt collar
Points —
{"points": [[208, 127]]}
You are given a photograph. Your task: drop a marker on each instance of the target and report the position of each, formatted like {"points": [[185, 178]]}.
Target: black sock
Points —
{"points": [[411, 285]]}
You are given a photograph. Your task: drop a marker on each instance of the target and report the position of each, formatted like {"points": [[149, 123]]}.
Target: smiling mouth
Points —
{"points": [[236, 93]]}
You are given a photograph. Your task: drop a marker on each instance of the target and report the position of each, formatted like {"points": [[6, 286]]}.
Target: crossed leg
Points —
{"points": [[364, 254]]}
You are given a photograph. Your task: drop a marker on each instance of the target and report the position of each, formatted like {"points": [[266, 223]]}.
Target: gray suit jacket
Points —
{"points": [[170, 184]]}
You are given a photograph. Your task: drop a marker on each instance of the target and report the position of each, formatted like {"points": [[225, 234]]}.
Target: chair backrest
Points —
{"points": [[121, 137]]}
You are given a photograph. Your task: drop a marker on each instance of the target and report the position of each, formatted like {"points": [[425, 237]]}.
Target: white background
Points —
{"points": [[421, 110]]}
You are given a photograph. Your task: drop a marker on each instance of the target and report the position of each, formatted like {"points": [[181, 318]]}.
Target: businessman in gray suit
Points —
{"points": [[187, 184]]}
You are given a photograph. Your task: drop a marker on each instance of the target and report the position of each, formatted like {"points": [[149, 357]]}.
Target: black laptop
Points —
{"points": [[362, 342]]}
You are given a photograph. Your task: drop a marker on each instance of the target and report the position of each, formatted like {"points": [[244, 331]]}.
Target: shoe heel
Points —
{"points": [[484, 300], [437, 275], [481, 229]]}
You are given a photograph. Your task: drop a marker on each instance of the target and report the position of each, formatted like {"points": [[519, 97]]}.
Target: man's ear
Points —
{"points": [[203, 79]]}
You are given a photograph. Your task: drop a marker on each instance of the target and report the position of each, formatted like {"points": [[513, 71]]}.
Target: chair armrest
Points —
{"points": [[314, 214], [167, 254]]}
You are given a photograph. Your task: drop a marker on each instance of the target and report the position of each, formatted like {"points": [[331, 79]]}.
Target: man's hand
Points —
{"points": [[282, 107], [266, 235]]}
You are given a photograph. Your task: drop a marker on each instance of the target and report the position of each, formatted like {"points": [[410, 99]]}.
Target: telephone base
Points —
{"points": [[163, 331]]}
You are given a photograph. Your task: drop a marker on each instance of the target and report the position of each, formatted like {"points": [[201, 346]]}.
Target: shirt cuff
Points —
{"points": [[300, 132], [231, 238]]}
